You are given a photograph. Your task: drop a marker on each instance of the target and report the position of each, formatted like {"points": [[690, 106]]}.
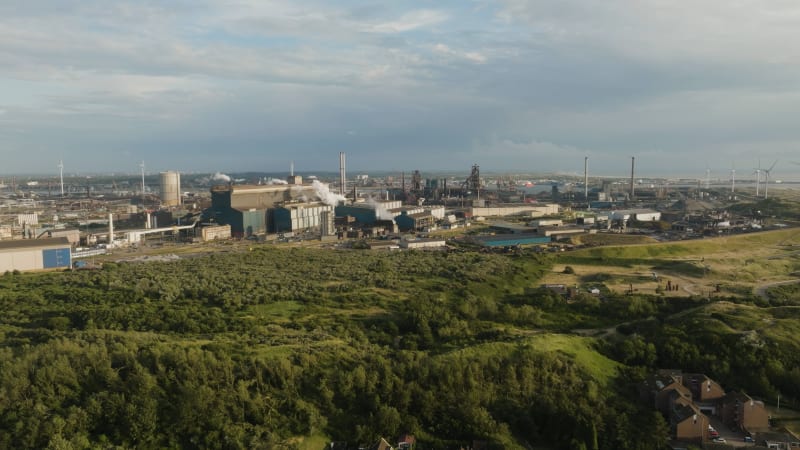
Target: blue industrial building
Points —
{"points": [[35, 254], [363, 213]]}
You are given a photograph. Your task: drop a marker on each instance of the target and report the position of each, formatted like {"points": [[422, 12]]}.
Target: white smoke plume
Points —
{"points": [[380, 211], [219, 176], [298, 193], [325, 195]]}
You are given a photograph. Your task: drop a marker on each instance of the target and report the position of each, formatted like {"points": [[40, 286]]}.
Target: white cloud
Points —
{"points": [[472, 56], [410, 21]]}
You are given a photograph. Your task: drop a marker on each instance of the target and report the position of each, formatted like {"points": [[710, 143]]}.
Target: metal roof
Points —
{"points": [[34, 243]]}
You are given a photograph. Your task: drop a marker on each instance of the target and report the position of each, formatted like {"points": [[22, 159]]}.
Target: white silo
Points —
{"points": [[170, 188]]}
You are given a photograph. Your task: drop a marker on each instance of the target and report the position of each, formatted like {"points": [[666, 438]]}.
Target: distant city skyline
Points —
{"points": [[512, 85]]}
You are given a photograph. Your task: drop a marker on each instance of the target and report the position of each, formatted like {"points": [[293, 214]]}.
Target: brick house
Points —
{"points": [[688, 423], [742, 412]]}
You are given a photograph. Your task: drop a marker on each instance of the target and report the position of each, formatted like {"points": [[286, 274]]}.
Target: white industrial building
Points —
{"points": [[215, 232], [35, 254], [639, 215], [422, 243], [530, 210]]}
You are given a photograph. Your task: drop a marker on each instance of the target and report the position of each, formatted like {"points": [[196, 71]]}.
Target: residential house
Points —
{"points": [[688, 423], [661, 390], [742, 412], [706, 392], [406, 442], [382, 444]]}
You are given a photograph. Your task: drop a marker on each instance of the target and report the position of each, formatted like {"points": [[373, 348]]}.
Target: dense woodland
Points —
{"points": [[292, 348]]}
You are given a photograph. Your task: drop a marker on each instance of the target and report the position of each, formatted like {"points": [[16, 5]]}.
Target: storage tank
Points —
{"points": [[171, 188]]}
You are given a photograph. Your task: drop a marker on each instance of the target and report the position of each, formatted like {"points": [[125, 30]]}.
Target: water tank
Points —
{"points": [[170, 188]]}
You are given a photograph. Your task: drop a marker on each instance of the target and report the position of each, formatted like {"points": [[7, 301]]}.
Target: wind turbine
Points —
{"points": [[766, 178], [758, 176]]}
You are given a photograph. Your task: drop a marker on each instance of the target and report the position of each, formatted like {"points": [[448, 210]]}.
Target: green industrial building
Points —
{"points": [[250, 210]]}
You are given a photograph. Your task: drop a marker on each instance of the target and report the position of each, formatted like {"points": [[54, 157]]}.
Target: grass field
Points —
{"points": [[733, 265]]}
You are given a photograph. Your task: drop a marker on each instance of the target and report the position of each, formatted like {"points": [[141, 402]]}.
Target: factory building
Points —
{"points": [[422, 243], [418, 221], [640, 215], [215, 232], [170, 188], [303, 216], [530, 210], [246, 197], [364, 213], [35, 254], [253, 210]]}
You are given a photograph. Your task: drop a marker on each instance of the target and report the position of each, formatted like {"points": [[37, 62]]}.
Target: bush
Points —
{"points": [[569, 270]]}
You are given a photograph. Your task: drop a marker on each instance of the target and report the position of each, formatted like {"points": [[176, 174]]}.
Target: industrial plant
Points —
{"points": [[55, 223]]}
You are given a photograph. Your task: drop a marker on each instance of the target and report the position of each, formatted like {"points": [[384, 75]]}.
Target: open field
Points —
{"points": [[730, 266]]}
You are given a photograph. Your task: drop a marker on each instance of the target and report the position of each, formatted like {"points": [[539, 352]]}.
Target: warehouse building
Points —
{"points": [[248, 209], [419, 221], [213, 233], [35, 254], [302, 216], [526, 209], [422, 243], [368, 213]]}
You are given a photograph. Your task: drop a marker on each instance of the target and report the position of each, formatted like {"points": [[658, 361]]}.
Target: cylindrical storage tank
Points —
{"points": [[170, 188]]}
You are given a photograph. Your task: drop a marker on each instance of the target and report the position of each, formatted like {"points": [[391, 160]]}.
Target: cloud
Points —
{"points": [[512, 83], [446, 51], [410, 21]]}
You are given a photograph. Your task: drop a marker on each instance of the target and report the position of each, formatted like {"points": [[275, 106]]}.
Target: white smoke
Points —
{"points": [[219, 176], [380, 211], [299, 193], [325, 195]]}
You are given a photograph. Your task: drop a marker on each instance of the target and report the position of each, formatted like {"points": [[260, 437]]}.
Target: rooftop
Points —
{"points": [[34, 243]]}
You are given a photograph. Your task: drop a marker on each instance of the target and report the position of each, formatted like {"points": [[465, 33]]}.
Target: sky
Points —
{"points": [[510, 85]]}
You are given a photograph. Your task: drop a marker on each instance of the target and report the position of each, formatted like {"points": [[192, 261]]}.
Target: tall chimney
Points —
{"points": [[342, 175], [633, 165], [586, 180], [110, 229]]}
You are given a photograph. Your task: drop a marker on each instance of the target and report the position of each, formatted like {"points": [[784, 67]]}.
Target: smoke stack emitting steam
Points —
{"points": [[380, 211], [325, 195], [219, 176]]}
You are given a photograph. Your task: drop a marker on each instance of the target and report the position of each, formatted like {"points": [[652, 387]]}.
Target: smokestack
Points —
{"points": [[586, 180], [110, 228], [633, 166], [61, 175], [342, 175]]}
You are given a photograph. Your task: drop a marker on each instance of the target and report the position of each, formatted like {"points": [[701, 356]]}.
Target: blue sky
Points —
{"points": [[521, 85]]}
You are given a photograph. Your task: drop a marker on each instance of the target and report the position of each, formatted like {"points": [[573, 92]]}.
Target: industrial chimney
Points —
{"points": [[633, 165], [110, 229], [342, 175], [586, 180]]}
